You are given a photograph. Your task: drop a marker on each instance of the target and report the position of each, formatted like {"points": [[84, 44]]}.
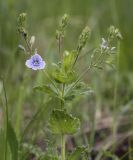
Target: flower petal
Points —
{"points": [[42, 65], [28, 63]]}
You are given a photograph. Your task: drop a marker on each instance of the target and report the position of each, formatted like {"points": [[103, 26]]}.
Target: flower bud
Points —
{"points": [[21, 24], [83, 38], [64, 22], [32, 40], [60, 33]]}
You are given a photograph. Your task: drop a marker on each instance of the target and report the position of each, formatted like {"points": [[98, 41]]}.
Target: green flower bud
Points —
{"points": [[21, 24], [60, 33], [64, 22], [83, 38], [22, 19]]}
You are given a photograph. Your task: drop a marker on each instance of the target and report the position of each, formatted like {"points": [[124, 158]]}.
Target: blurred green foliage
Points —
{"points": [[43, 17]]}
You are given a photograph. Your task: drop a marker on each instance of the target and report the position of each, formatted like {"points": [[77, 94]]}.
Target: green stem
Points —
{"points": [[85, 54], [28, 45], [52, 82], [80, 77], [62, 147], [76, 59], [114, 127], [19, 110], [84, 73], [62, 135], [62, 96], [59, 45], [62, 105]]}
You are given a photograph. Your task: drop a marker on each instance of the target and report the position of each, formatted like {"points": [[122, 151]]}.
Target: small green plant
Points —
{"points": [[65, 83]]}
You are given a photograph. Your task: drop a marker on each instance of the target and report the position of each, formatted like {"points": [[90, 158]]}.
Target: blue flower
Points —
{"points": [[35, 62]]}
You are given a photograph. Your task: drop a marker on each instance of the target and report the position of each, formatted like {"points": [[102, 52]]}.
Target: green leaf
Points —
{"points": [[2, 146], [68, 61], [13, 143], [46, 89], [78, 152], [61, 75], [63, 123]]}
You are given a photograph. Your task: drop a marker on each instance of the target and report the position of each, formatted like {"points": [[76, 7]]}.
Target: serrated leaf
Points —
{"points": [[13, 143], [63, 123]]}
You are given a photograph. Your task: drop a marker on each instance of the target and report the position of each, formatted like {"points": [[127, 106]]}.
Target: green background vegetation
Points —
{"points": [[43, 18]]}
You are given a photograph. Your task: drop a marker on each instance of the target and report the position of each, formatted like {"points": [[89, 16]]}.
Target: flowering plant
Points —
{"points": [[65, 83]]}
